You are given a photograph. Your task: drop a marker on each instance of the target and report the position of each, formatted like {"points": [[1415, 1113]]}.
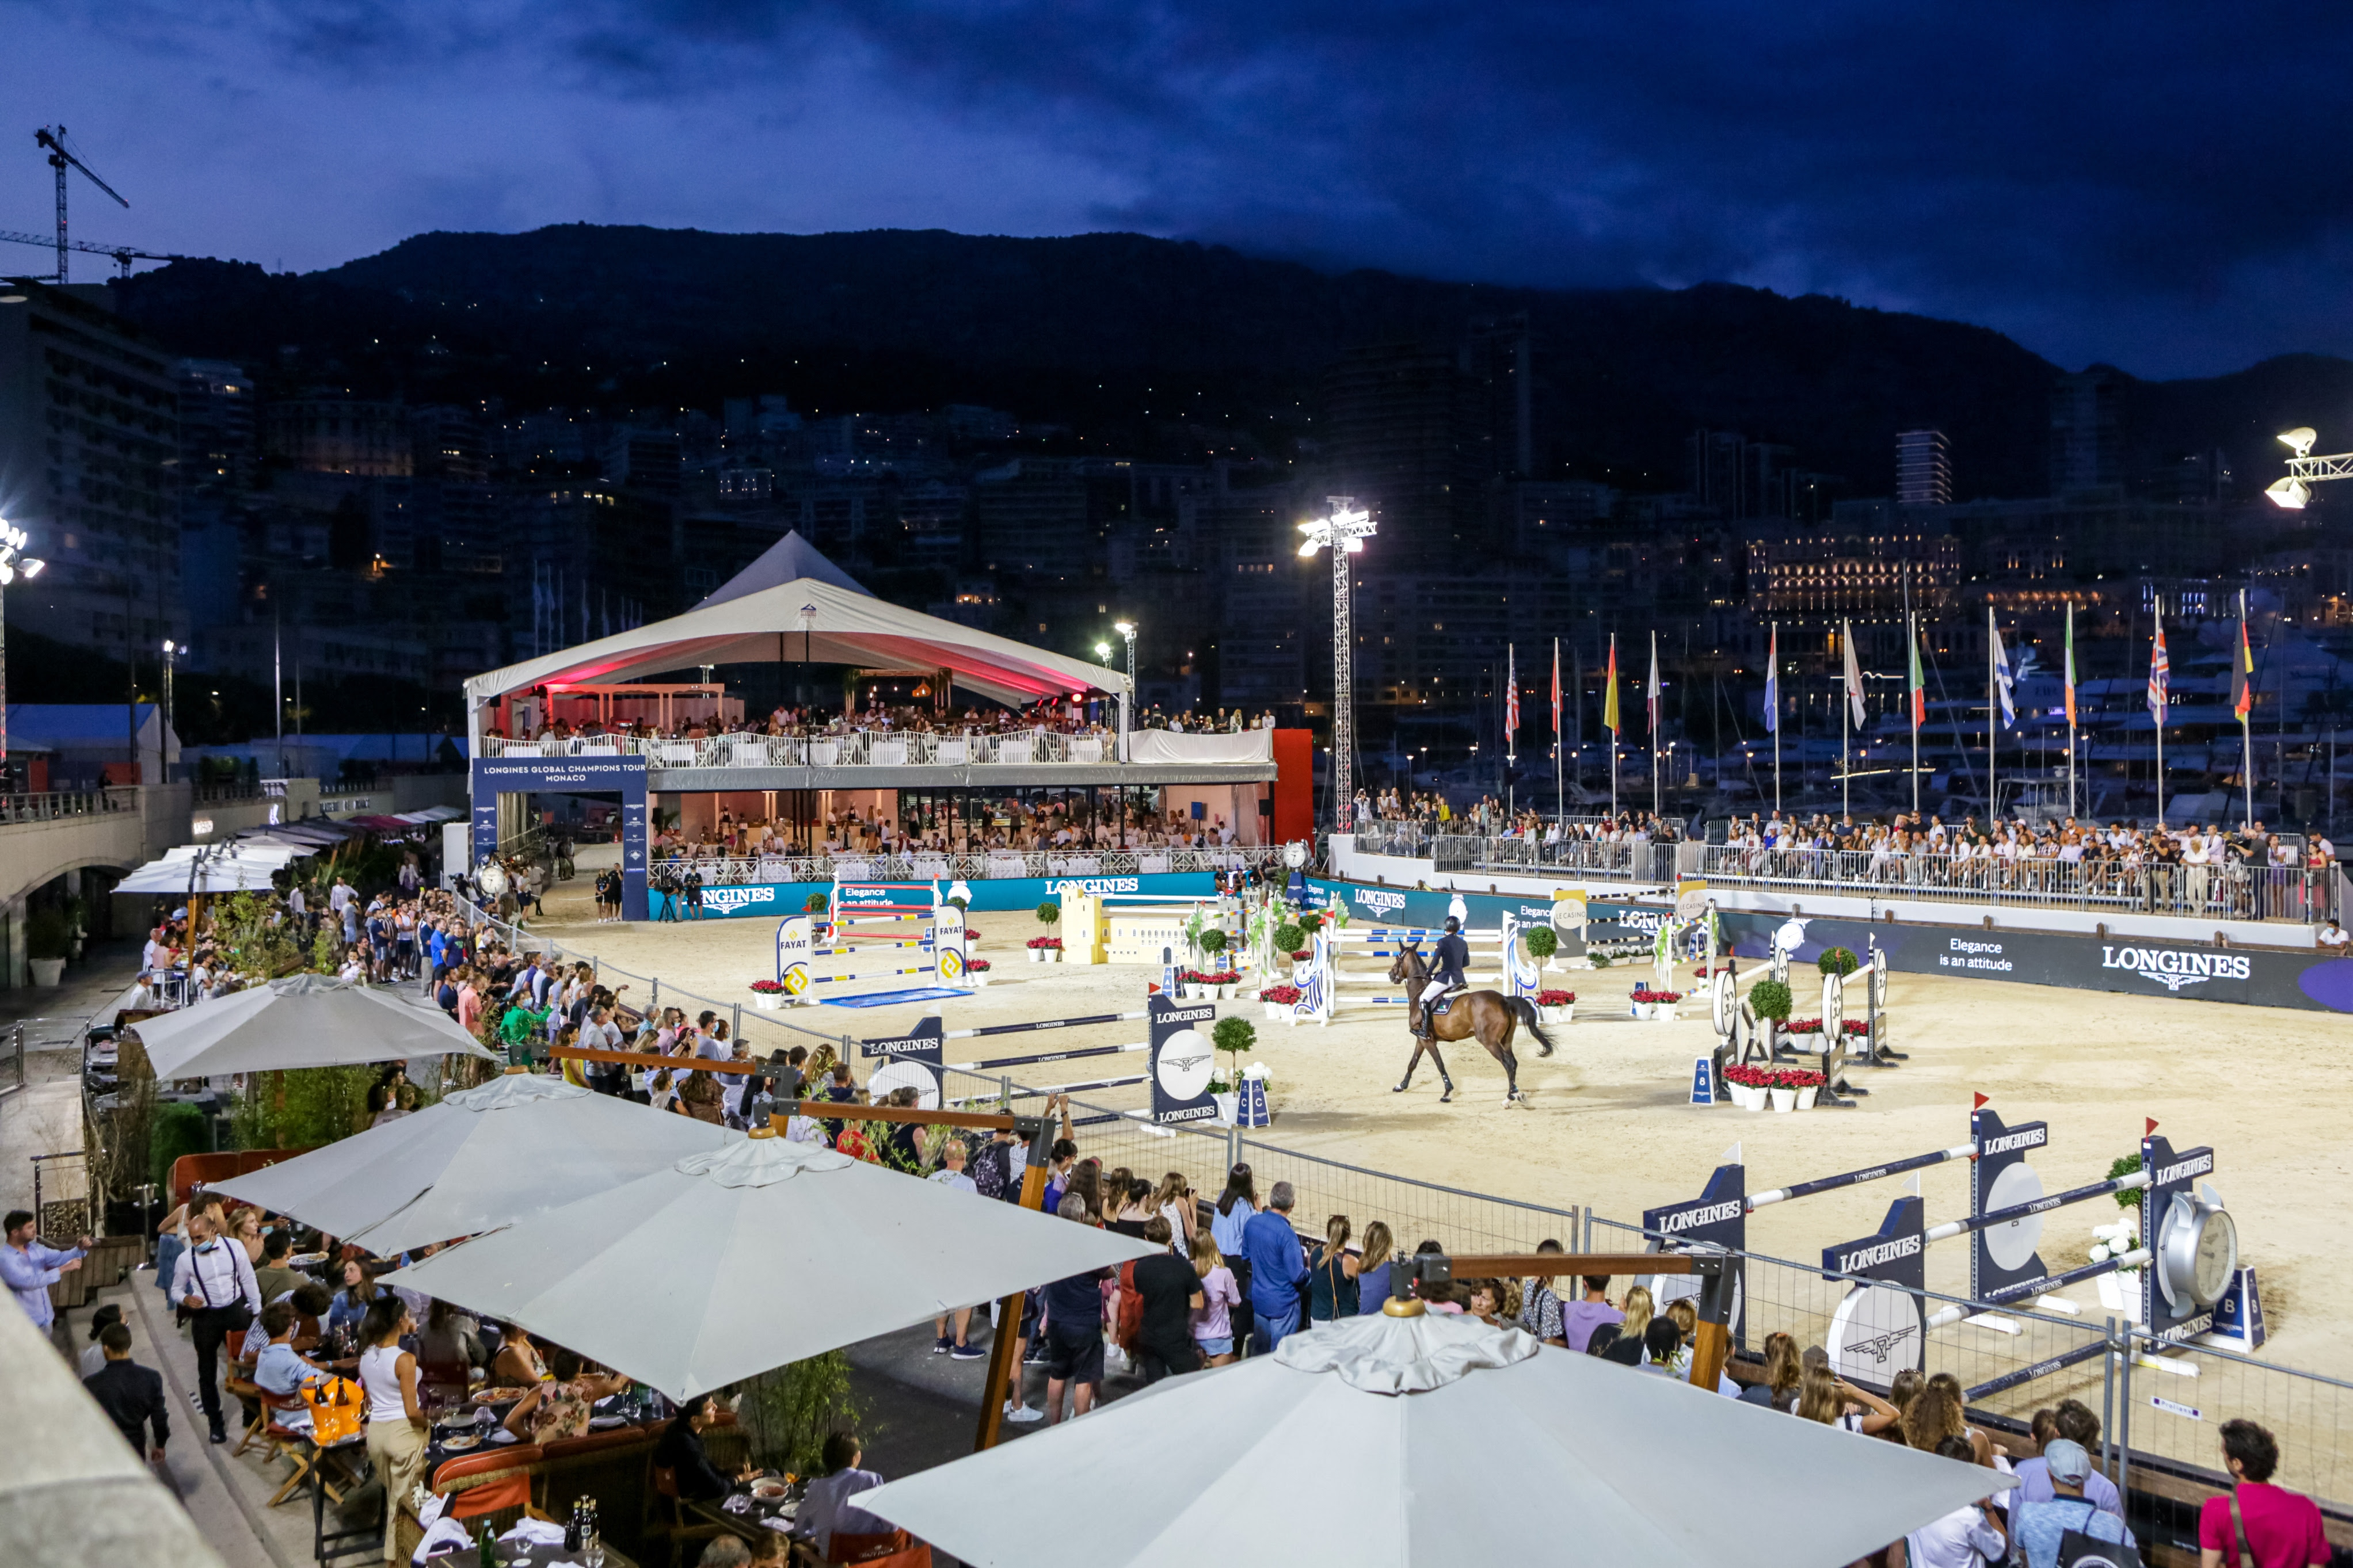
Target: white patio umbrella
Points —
{"points": [[1403, 1440], [301, 1021], [765, 1252], [481, 1159]]}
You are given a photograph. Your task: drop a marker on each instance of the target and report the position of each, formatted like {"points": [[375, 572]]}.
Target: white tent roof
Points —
{"points": [[301, 1021], [762, 625], [764, 1252], [788, 560], [1398, 1441], [237, 867], [481, 1159]]}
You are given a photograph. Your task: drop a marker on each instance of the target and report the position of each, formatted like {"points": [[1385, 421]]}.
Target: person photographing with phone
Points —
{"points": [[28, 1267], [213, 1281]]}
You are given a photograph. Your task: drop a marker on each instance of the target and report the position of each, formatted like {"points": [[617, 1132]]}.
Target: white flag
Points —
{"points": [[1854, 673], [2002, 683]]}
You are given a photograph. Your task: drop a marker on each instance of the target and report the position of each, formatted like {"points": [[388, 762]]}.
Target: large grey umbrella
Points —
{"points": [[482, 1158], [1389, 1441], [301, 1021], [764, 1252]]}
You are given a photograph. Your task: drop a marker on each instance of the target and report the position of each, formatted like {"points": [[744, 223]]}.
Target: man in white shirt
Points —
{"points": [[213, 1281], [2332, 935], [340, 895]]}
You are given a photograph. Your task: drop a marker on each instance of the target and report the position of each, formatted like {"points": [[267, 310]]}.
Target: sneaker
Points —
{"points": [[967, 1353], [219, 1435], [1024, 1415], [940, 1345]]}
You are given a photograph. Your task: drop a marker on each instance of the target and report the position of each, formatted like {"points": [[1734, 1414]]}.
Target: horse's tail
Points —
{"points": [[1525, 1012]]}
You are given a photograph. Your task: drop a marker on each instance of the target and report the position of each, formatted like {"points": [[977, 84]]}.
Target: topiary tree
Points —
{"points": [[1838, 961], [1213, 941], [1543, 941], [1311, 922], [1049, 913], [1289, 938], [816, 904], [1769, 999], [2124, 1165], [1233, 1037]]}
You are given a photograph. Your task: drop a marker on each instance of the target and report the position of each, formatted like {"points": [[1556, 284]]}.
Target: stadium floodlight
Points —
{"points": [[2299, 440], [2291, 494], [1344, 530]]}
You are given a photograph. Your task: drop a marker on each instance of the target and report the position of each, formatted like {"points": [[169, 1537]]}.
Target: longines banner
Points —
{"points": [[2132, 963]]}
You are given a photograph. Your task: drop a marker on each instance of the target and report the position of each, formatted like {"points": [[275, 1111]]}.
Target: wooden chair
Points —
{"points": [[896, 1550], [248, 1394], [669, 1521], [291, 1443], [503, 1477]]}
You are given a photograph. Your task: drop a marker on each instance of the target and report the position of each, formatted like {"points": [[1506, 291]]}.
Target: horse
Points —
{"points": [[1489, 1016]]}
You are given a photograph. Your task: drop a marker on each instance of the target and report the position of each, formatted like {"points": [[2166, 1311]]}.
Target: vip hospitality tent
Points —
{"points": [[765, 1252], [301, 1021], [757, 619], [482, 1158], [1429, 1440]]}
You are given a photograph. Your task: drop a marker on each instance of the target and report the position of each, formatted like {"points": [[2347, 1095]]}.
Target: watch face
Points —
{"points": [[1294, 854], [2216, 1256]]}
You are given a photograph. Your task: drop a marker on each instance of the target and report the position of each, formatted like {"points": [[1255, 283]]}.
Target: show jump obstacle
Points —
{"points": [[2191, 1283], [1320, 978], [873, 920], [1178, 1069]]}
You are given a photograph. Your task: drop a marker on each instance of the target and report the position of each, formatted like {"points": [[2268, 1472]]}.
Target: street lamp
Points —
{"points": [[1102, 652], [162, 753], [13, 563], [1126, 630], [1343, 532]]}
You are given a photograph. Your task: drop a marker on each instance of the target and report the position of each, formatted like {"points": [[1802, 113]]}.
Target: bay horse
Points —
{"points": [[1488, 1016]]}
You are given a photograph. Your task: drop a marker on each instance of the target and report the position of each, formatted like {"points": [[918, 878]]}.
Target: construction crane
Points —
{"points": [[124, 255], [61, 160]]}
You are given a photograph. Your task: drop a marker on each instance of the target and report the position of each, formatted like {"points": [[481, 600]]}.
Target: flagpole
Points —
{"points": [[1511, 728], [1656, 705], [1559, 795], [1773, 697], [2246, 715], [2157, 619], [2070, 708], [1609, 722], [1846, 705], [1912, 698]]}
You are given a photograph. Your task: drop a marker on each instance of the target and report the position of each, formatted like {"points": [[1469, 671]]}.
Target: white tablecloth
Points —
{"points": [[954, 754], [1169, 746]]}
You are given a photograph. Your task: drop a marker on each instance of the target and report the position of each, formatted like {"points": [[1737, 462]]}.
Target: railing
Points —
{"points": [[2283, 893], [860, 748], [738, 869], [57, 804]]}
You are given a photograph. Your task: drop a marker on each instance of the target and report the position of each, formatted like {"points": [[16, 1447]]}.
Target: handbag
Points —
{"points": [[2080, 1550]]}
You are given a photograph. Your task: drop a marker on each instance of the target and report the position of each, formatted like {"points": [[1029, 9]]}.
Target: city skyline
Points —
{"points": [[2059, 186]]}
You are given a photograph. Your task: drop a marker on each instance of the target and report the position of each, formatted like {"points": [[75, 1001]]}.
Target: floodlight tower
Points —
{"points": [[2303, 470], [1344, 531]]}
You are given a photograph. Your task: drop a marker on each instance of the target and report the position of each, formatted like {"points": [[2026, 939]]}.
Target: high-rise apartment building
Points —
{"points": [[1713, 459], [341, 436], [2086, 431], [1924, 468], [90, 430]]}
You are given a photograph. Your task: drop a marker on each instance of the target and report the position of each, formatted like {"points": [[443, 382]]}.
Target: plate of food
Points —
{"points": [[497, 1396], [769, 1491], [459, 1444], [305, 1260]]}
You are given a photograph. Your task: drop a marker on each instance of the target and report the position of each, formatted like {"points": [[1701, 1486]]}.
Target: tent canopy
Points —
{"points": [[301, 1021], [482, 1157], [234, 867], [762, 623], [1432, 1440]]}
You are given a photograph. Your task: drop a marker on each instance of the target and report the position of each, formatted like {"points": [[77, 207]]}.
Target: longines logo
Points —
{"points": [[1374, 902], [1704, 1214], [730, 900], [2174, 968], [1877, 1253]]}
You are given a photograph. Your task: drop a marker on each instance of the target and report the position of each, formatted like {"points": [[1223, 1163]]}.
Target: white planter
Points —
{"points": [[1053, 954], [767, 1001], [48, 970], [1806, 1097], [1037, 955], [1752, 1096], [974, 980], [1663, 1012], [1229, 1106], [1556, 1015], [1642, 1009], [1784, 1099]]}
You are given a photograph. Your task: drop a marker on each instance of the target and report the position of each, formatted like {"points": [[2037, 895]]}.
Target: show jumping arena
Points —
{"points": [[1607, 1124]]}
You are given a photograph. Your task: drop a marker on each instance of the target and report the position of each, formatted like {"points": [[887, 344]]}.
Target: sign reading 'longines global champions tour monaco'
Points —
{"points": [[624, 776]]}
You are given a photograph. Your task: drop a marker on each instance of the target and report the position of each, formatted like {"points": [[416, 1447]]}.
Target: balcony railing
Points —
{"points": [[1627, 860], [51, 805], [862, 748], [998, 864], [2288, 894]]}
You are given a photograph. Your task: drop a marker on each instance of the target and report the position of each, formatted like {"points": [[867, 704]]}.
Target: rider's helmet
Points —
{"points": [[1452, 925]]}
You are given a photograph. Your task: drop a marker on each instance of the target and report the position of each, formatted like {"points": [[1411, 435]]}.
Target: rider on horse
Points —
{"points": [[1446, 962]]}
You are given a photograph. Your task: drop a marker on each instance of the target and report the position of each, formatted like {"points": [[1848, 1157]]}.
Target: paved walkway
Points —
{"points": [[45, 1116]]}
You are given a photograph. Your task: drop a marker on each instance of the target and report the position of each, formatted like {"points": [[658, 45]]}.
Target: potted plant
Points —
{"points": [[976, 972], [1050, 949], [1838, 961], [47, 939], [1544, 942], [1770, 1001], [1279, 1001], [1231, 1038], [1555, 1006], [1213, 944], [1748, 1085], [1658, 1005], [816, 904], [1045, 950], [1784, 1092], [767, 995], [1807, 1083], [1290, 939]]}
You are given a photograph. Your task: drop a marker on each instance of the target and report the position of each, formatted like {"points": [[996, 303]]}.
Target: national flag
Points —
{"points": [[1654, 689], [2071, 665], [1919, 687], [1556, 692], [1853, 674], [2242, 673], [2004, 682], [1511, 701], [1773, 681], [2160, 674], [1610, 689]]}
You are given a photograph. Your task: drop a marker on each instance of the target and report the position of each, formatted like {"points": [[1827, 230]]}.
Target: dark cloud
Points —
{"points": [[2152, 185]]}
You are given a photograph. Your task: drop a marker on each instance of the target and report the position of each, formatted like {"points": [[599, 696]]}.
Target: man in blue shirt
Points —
{"points": [[29, 1268], [2037, 1526], [2077, 1422], [1278, 1267]]}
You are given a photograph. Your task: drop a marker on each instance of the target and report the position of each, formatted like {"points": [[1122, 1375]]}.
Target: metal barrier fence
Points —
{"points": [[2227, 892], [727, 871]]}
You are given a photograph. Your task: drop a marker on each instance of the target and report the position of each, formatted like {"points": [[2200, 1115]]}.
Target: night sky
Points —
{"points": [[2157, 186]]}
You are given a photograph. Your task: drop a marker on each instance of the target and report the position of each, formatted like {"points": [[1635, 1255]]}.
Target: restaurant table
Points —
{"points": [[754, 1513], [520, 1555], [350, 1458]]}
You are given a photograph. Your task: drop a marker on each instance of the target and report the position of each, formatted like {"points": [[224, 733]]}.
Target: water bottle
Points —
{"points": [[572, 1530]]}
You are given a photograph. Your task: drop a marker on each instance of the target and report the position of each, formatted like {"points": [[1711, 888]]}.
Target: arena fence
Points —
{"points": [[2284, 893], [2161, 1407]]}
